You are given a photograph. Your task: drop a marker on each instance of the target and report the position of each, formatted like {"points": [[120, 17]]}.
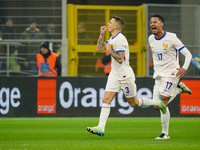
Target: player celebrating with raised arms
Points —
{"points": [[121, 76], [167, 72]]}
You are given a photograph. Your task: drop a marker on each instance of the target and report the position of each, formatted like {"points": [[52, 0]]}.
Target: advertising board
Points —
{"points": [[82, 97]]}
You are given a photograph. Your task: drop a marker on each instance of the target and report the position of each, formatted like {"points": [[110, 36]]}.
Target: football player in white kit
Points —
{"points": [[167, 71], [121, 76]]}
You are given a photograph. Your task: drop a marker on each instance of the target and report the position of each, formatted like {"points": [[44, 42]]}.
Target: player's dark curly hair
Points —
{"points": [[120, 21], [159, 17]]}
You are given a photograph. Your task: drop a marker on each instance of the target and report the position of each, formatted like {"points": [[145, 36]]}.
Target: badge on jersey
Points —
{"points": [[165, 46]]}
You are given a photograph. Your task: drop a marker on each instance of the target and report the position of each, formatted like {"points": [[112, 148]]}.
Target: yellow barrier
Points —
{"points": [[82, 46]]}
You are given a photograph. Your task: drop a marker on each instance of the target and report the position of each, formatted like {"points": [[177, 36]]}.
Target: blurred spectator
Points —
{"points": [[32, 32], [50, 32], [106, 60], [30, 48], [8, 31], [1, 50], [48, 63], [83, 35], [2, 61], [57, 48]]}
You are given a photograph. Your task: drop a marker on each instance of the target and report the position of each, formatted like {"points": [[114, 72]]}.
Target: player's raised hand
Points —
{"points": [[181, 72], [100, 43], [103, 29]]}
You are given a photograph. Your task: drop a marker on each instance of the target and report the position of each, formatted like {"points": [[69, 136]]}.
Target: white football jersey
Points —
{"points": [[120, 71], [165, 54]]}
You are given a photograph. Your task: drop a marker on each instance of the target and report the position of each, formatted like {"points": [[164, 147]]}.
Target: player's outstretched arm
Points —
{"points": [[101, 45]]}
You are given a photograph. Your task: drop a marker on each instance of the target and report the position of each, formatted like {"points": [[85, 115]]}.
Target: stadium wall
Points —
{"points": [[82, 96]]}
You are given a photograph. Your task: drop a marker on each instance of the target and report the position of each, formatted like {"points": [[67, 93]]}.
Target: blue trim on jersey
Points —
{"points": [[181, 48], [106, 41], [120, 51], [161, 37], [116, 35]]}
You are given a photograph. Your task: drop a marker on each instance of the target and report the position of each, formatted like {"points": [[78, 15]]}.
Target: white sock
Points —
{"points": [[166, 117], [165, 121], [105, 111], [148, 102]]}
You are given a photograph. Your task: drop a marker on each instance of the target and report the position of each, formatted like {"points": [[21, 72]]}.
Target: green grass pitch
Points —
{"points": [[121, 134]]}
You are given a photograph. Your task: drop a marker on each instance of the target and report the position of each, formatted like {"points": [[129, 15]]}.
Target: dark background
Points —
{"points": [[121, 2]]}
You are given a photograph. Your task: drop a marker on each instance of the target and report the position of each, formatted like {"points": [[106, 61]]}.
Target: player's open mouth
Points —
{"points": [[153, 29]]}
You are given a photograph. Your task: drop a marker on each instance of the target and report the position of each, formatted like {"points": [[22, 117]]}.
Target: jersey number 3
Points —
{"points": [[127, 89]]}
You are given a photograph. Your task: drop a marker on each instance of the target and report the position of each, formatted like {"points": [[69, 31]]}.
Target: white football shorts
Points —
{"points": [[128, 86], [165, 86]]}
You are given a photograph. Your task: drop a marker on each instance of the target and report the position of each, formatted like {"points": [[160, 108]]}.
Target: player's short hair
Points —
{"points": [[120, 21], [159, 17]]}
